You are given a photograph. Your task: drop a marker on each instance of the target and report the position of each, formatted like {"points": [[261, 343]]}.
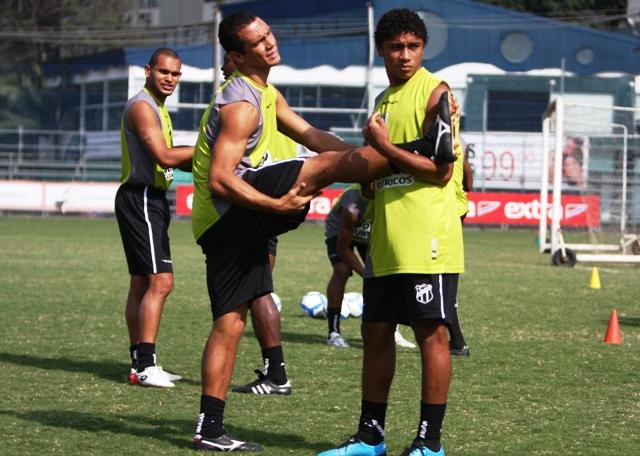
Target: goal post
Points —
{"points": [[585, 166]]}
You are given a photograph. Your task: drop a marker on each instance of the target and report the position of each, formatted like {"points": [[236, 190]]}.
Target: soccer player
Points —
{"points": [[347, 227], [463, 179], [243, 198], [142, 211], [415, 252], [265, 317]]}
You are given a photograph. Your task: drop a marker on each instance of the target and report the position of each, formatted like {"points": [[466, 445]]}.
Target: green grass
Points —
{"points": [[539, 381]]}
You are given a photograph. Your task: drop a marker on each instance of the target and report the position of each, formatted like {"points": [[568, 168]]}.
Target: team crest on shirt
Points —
{"points": [[168, 174], [424, 293]]}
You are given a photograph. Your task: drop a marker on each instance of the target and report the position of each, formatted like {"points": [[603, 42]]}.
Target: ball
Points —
{"points": [[314, 304], [354, 302], [277, 300]]}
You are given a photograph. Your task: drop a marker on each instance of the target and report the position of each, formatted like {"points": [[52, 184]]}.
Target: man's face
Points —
{"points": [[163, 77], [260, 47], [402, 56]]}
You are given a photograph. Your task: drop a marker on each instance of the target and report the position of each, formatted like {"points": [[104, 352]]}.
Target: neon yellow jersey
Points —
{"points": [[138, 165], [282, 147], [207, 208], [416, 228]]}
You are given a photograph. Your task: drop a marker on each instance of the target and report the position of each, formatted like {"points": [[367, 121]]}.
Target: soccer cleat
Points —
{"points": [[335, 339], [262, 385], [464, 351], [154, 376], [401, 341], [439, 142], [224, 443], [353, 446], [417, 448], [171, 377], [133, 378]]}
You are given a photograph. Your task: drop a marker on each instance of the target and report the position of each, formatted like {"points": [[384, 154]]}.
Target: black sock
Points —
{"points": [[274, 365], [133, 352], [211, 417], [424, 146], [146, 355], [371, 427], [457, 338], [333, 319], [431, 417]]}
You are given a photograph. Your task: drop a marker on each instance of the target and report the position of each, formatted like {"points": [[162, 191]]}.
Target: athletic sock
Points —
{"points": [[146, 355], [333, 320], [133, 352], [211, 417], [274, 368], [424, 146], [457, 338], [371, 426], [431, 417]]}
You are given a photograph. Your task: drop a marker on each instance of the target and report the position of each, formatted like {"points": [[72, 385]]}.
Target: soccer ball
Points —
{"points": [[277, 300], [344, 310], [353, 302], [314, 304]]}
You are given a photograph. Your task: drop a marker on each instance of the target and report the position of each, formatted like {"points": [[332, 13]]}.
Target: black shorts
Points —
{"points": [[406, 298], [272, 246], [332, 250], [143, 218], [236, 246]]}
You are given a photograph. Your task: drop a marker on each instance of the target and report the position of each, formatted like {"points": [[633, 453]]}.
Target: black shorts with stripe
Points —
{"points": [[406, 298], [237, 245], [143, 218]]}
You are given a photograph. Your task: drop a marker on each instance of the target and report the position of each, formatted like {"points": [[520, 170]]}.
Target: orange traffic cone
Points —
{"points": [[613, 334]]}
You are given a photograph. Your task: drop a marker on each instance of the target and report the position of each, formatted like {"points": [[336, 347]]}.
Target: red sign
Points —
{"points": [[320, 206], [492, 208], [524, 209]]}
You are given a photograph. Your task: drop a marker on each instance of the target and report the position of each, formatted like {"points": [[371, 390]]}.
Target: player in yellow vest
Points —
{"points": [[415, 252], [463, 179], [142, 211], [244, 196]]}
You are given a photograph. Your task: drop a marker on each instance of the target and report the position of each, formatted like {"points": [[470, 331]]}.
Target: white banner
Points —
{"points": [[58, 197]]}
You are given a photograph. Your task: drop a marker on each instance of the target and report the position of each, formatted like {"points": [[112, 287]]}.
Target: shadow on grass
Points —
{"points": [[629, 321], [310, 339], [108, 370], [175, 432]]}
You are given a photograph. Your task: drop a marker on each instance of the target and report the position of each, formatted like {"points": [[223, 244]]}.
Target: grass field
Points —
{"points": [[539, 381]]}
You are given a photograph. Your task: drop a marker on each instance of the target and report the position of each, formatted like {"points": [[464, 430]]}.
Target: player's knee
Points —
{"points": [[161, 284]]}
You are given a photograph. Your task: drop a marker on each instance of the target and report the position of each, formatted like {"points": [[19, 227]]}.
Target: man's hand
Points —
{"points": [[292, 201], [376, 133]]}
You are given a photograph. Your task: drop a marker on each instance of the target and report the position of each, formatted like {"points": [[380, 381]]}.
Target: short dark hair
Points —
{"points": [[229, 28], [162, 51], [397, 22]]}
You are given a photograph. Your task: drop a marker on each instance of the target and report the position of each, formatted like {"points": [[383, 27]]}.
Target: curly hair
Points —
{"points": [[229, 28], [397, 22]]}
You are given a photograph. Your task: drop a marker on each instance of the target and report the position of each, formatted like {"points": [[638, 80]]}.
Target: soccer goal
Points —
{"points": [[588, 157]]}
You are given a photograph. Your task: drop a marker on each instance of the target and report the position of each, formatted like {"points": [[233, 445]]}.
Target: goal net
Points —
{"points": [[591, 188]]}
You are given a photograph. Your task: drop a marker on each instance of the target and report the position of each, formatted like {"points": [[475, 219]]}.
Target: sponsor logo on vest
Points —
{"points": [[362, 231], [424, 293], [395, 180]]}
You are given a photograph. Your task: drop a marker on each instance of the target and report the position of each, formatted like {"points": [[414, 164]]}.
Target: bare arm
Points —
{"points": [[345, 237], [144, 121], [420, 167], [238, 121], [298, 129]]}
